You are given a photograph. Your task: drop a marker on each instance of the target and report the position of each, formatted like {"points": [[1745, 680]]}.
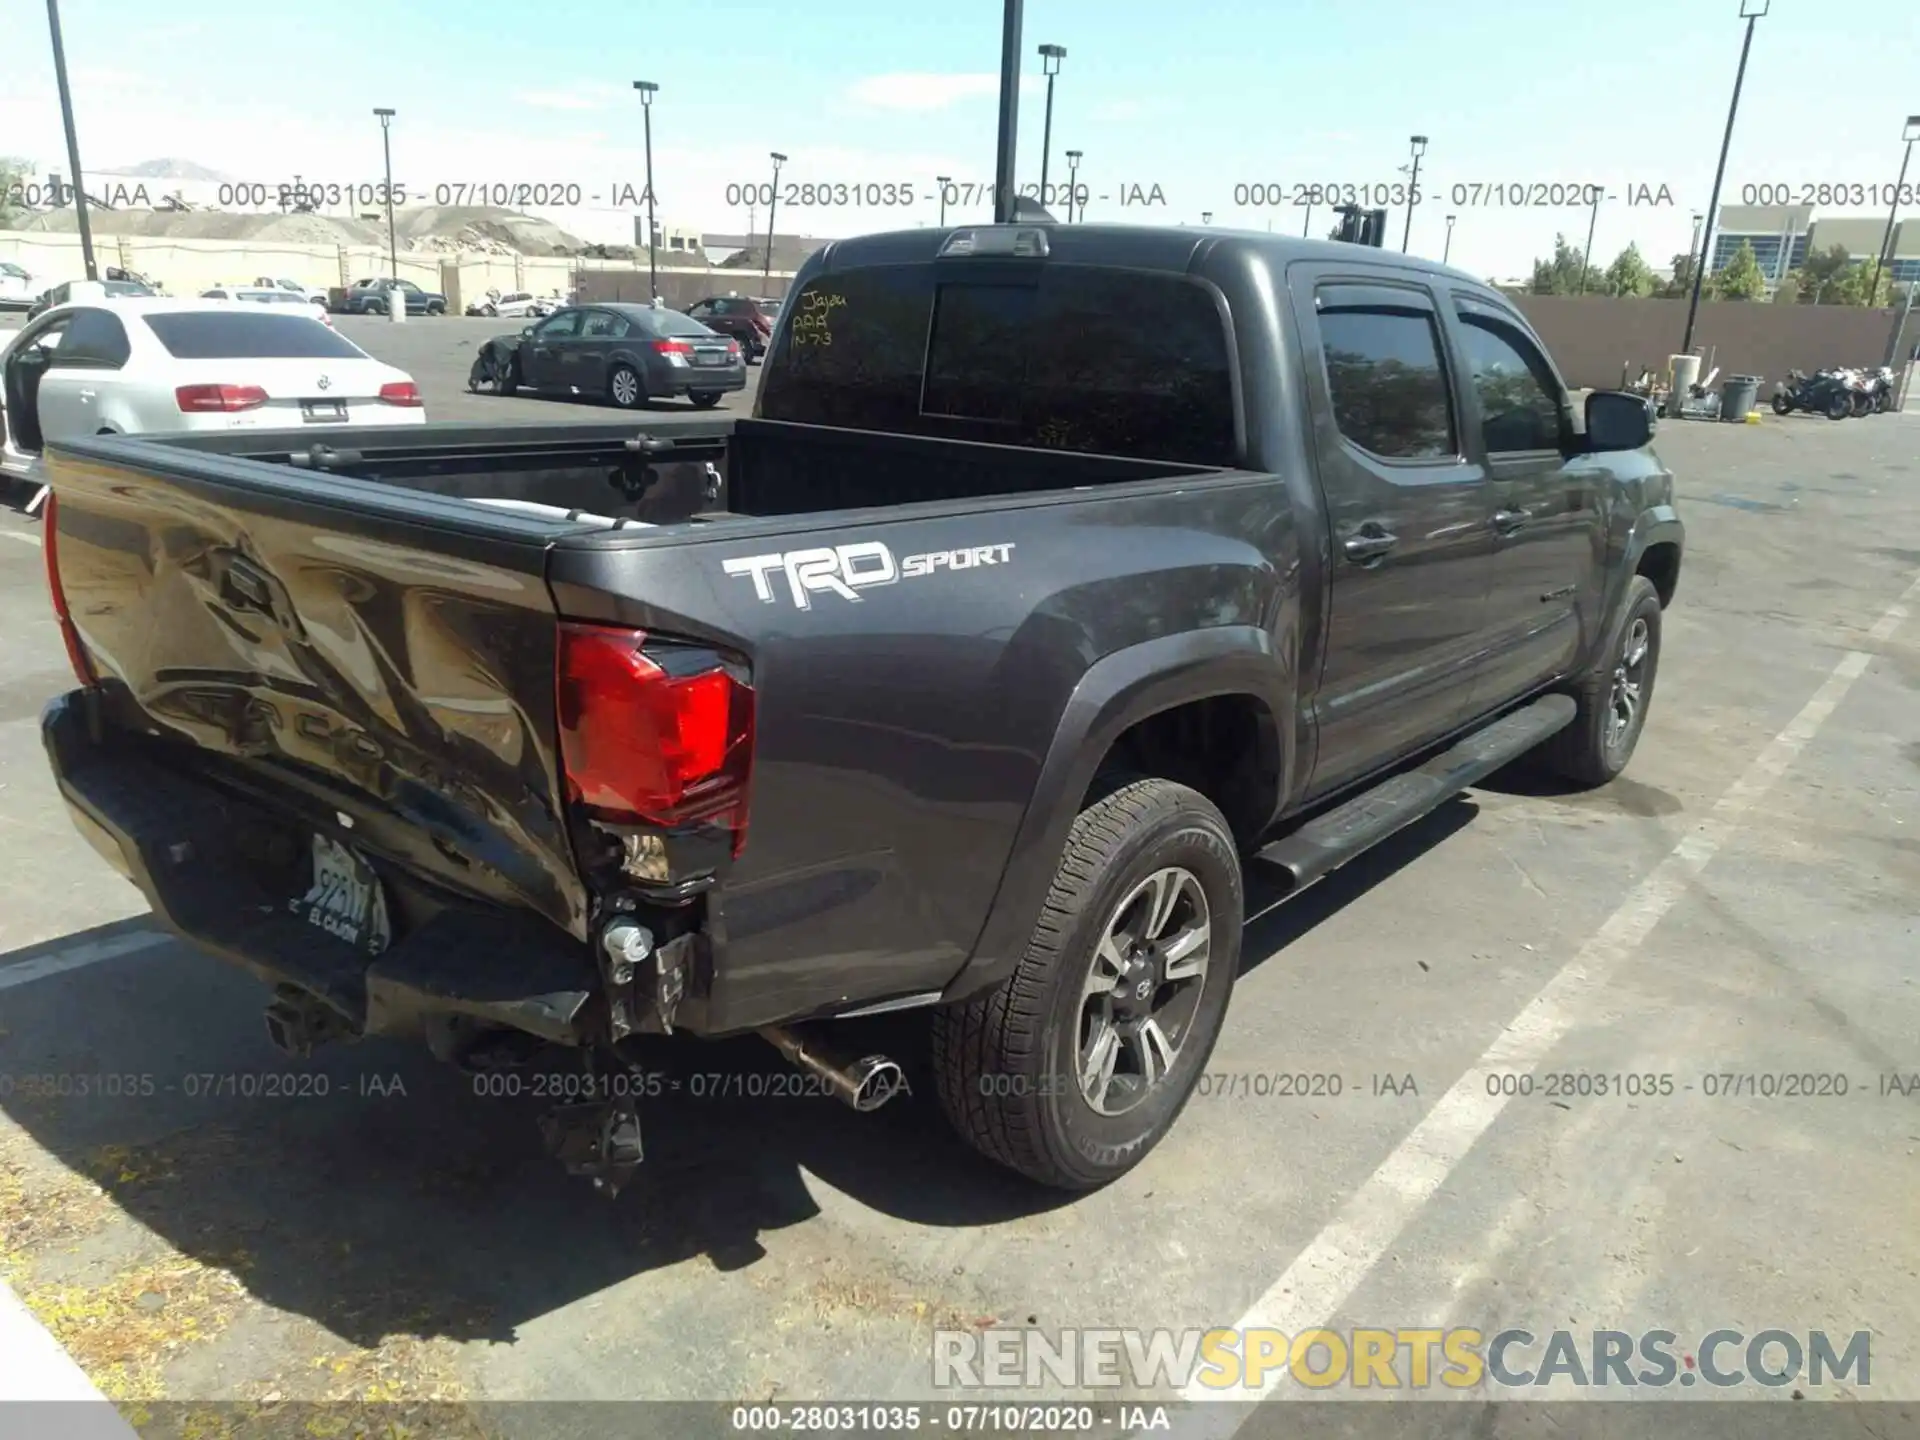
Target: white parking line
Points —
{"points": [[90, 952], [23, 536], [1309, 1293], [35, 1372]]}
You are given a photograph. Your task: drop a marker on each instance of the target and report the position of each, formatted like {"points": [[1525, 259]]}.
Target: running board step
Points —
{"points": [[1329, 841]]}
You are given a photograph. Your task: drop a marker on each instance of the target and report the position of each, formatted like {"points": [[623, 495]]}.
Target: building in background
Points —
{"points": [[1783, 236]]}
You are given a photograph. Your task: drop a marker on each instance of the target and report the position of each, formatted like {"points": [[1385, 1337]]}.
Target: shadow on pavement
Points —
{"points": [[381, 1193]]}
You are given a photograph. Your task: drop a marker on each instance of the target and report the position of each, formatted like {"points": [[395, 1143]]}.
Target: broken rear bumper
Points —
{"points": [[203, 856]]}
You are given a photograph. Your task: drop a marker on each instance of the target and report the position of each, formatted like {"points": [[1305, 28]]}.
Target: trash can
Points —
{"points": [[1737, 395]]}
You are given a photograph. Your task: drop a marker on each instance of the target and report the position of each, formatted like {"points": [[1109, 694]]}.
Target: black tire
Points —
{"points": [[1839, 405], [1007, 1062], [376, 307], [436, 308], [704, 399], [1782, 405], [509, 374], [1862, 404], [1589, 751], [630, 392]]}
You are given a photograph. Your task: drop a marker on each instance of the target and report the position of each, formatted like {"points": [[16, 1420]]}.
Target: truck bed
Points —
{"points": [[597, 476]]}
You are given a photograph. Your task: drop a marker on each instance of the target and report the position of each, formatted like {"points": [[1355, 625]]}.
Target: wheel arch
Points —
{"points": [[1226, 681]]}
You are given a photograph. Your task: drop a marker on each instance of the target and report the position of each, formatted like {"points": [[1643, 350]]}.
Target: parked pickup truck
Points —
{"points": [[1060, 573], [375, 297]]}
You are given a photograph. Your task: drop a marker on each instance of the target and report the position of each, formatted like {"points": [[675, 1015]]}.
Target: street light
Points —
{"points": [[1586, 256], [1006, 146], [1073, 185], [1050, 58], [1911, 134], [1206, 217], [73, 142], [1306, 225], [772, 206], [1419, 143], [1750, 11], [393, 246], [943, 181], [647, 91], [1449, 246]]}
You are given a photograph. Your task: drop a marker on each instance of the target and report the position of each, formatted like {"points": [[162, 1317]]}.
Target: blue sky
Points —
{"points": [[1195, 98]]}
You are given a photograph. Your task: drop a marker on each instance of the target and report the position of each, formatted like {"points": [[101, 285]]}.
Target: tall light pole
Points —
{"points": [[1586, 256], [772, 206], [1911, 134], [1050, 58], [1449, 246], [943, 181], [73, 142], [647, 91], [1073, 185], [1750, 11], [1419, 144], [1306, 225], [393, 245], [1005, 182]]}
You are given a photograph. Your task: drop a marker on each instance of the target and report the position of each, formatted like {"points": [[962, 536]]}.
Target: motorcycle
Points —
{"points": [[1825, 392], [1884, 386]]}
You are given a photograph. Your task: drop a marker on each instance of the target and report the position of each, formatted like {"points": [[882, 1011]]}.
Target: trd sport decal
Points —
{"points": [[846, 570]]}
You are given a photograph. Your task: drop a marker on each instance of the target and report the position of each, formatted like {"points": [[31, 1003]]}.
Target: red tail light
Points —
{"points": [[639, 743], [733, 347], [50, 542], [763, 325], [401, 392], [672, 347], [198, 399]]}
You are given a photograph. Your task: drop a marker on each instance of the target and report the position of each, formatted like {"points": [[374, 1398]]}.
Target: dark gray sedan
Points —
{"points": [[629, 354]]}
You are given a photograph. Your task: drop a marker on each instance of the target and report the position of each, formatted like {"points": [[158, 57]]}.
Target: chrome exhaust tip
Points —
{"points": [[864, 1084]]}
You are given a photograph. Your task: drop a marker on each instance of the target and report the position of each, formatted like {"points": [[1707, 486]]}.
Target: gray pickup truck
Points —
{"points": [[1061, 572]]}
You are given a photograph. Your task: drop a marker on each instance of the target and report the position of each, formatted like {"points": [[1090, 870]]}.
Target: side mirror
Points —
{"points": [[1618, 420], [526, 329]]}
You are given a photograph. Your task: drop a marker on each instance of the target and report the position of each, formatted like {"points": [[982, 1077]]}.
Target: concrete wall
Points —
{"points": [[681, 288], [186, 267], [1592, 337]]}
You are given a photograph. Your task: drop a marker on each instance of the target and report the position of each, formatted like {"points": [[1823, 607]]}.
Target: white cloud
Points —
{"points": [[929, 90]]}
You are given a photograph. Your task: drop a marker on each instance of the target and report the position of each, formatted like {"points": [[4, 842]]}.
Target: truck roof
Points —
{"points": [[1145, 247]]}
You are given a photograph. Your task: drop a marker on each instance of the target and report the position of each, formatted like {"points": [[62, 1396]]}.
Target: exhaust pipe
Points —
{"points": [[865, 1084]]}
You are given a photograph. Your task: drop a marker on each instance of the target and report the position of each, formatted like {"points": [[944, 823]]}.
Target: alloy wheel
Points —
{"points": [[1143, 989]]}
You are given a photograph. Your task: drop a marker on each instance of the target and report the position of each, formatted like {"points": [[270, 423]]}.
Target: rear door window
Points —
{"points": [[96, 340], [1387, 382], [1064, 357], [261, 334]]}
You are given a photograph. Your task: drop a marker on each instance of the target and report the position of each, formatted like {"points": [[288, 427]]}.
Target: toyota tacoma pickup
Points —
{"points": [[1060, 574]]}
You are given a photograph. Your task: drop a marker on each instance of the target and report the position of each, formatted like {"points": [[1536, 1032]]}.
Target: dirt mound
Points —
{"points": [[438, 229]]}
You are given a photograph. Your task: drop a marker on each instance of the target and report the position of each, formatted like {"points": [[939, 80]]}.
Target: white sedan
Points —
{"points": [[102, 365], [17, 290], [254, 295]]}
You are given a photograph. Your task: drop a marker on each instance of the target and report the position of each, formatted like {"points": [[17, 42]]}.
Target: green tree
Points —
{"points": [[1854, 283], [1681, 285], [12, 173], [1823, 276], [1741, 278], [1562, 275], [1629, 274]]}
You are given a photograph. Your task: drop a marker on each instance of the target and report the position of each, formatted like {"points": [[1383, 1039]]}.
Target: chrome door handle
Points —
{"points": [[87, 395], [1369, 545], [1508, 521]]}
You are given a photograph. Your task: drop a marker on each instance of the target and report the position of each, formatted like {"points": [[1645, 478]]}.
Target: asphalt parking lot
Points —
{"points": [[1741, 903]]}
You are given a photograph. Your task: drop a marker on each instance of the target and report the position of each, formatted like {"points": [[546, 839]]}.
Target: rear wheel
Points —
{"points": [[1782, 405], [1076, 1066], [624, 387], [1839, 405], [1614, 697], [704, 399]]}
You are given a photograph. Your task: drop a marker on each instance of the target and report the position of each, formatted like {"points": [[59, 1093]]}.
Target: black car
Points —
{"points": [[375, 297], [60, 294], [628, 353]]}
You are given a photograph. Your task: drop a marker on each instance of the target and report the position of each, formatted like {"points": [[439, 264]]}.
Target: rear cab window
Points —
{"points": [[258, 335], [1056, 356]]}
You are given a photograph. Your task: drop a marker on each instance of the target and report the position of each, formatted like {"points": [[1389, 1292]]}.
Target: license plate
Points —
{"points": [[323, 412], [345, 899], [710, 357]]}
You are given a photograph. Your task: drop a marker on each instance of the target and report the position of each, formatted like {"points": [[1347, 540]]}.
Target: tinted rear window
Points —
{"points": [[1061, 356], [670, 322], [205, 335]]}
